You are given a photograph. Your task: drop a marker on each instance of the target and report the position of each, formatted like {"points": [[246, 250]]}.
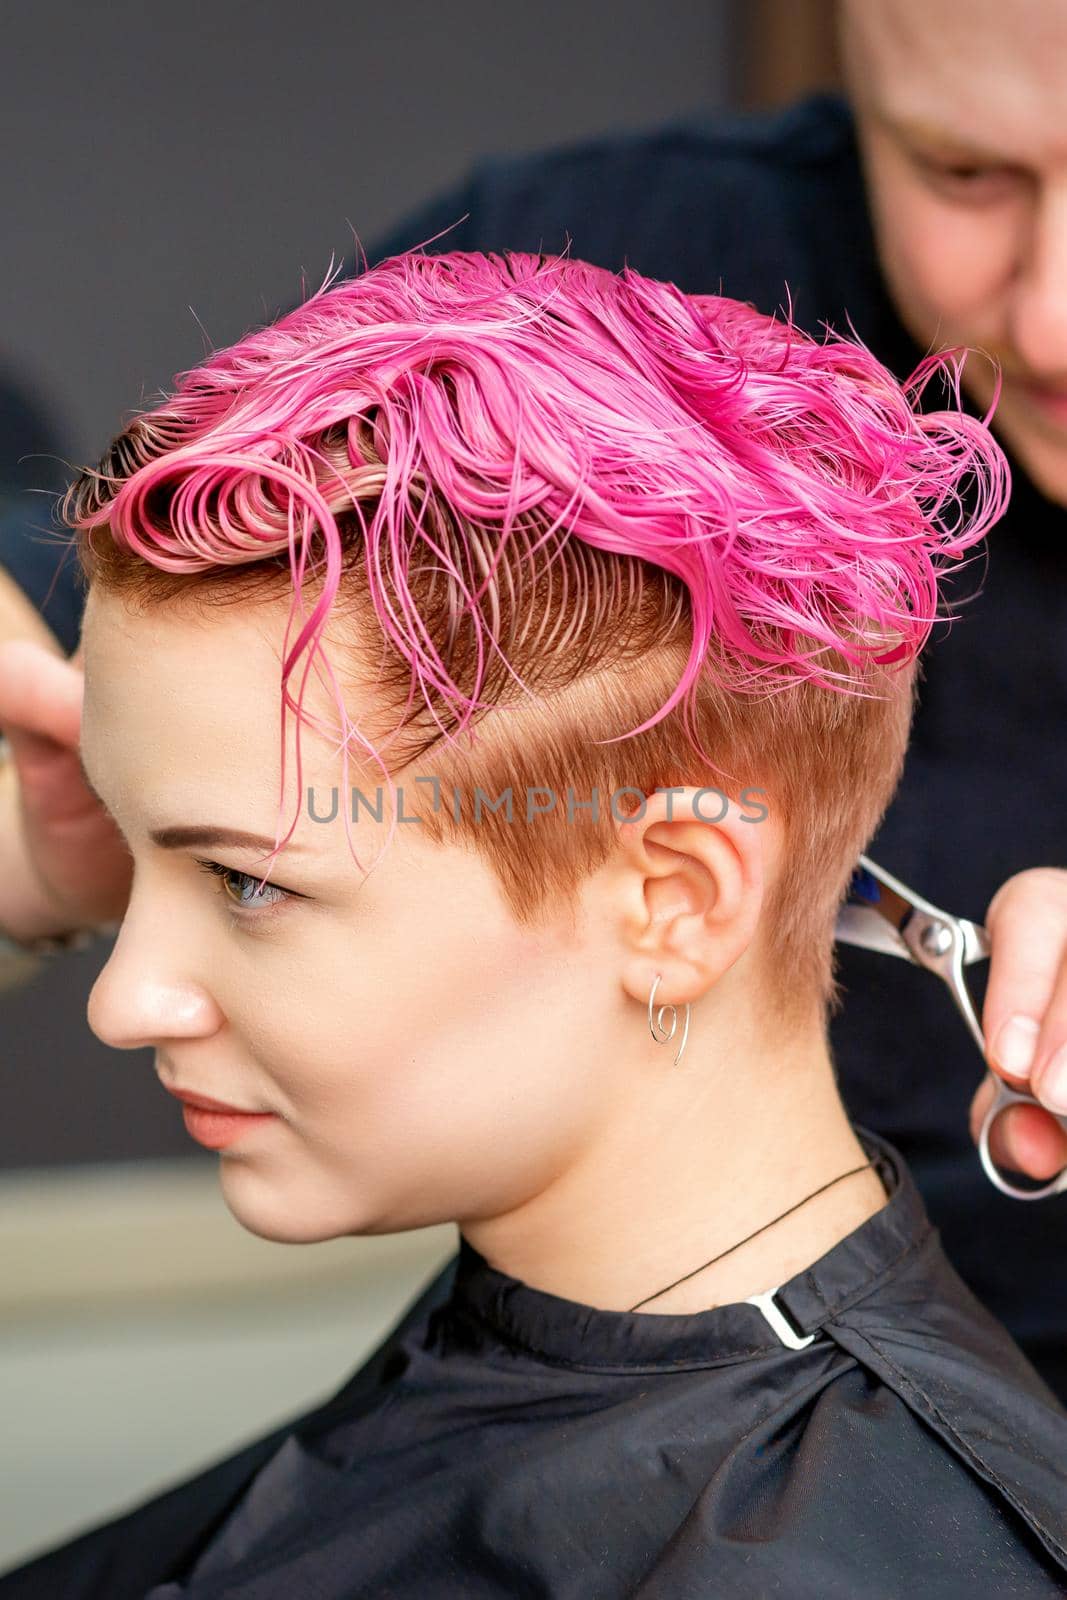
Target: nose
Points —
{"points": [[1039, 301], [146, 995]]}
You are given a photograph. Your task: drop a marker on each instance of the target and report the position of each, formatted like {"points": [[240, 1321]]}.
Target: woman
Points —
{"points": [[594, 610]]}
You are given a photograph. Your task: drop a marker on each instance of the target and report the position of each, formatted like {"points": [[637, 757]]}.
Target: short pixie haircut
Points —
{"points": [[677, 542]]}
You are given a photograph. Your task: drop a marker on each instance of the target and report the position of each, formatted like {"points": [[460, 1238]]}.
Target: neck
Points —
{"points": [[685, 1162]]}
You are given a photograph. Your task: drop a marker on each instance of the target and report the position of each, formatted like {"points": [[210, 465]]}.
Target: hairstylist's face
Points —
{"points": [[961, 114], [402, 1031]]}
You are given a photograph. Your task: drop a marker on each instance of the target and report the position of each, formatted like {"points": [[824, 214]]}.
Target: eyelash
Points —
{"points": [[245, 914]]}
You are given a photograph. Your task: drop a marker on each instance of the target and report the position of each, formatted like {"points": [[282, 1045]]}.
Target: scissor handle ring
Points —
{"points": [[1006, 1096]]}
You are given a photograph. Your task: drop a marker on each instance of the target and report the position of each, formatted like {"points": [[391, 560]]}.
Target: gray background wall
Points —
{"points": [[167, 168], [165, 161]]}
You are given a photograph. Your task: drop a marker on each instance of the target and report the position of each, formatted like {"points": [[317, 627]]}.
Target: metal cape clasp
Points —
{"points": [[774, 1314]]}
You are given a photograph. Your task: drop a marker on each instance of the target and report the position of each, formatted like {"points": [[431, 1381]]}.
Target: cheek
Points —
{"points": [[949, 267], [421, 1083]]}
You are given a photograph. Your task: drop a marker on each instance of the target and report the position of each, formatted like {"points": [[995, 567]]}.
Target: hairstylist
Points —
{"points": [[930, 210]]}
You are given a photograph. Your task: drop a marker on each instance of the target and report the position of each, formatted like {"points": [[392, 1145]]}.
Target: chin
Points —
{"points": [[279, 1212]]}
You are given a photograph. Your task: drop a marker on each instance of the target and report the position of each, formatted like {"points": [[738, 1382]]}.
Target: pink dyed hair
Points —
{"points": [[521, 421]]}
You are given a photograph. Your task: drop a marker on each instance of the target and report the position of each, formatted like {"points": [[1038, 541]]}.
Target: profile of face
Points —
{"points": [[403, 1031], [961, 124]]}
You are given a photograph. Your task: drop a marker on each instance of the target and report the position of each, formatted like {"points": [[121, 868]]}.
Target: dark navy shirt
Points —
{"points": [[506, 1443], [758, 208]]}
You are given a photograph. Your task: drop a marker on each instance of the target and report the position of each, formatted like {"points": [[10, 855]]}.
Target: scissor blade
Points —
{"points": [[867, 929], [977, 944], [872, 886]]}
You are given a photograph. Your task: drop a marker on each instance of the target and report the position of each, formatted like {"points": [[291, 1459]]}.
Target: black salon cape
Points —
{"points": [[504, 1442]]}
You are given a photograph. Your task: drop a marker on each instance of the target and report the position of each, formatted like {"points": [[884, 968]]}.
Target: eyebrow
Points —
{"points": [[183, 836], [928, 133]]}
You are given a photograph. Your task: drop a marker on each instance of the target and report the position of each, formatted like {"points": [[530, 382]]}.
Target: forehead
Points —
{"points": [[985, 72], [167, 687], [171, 656]]}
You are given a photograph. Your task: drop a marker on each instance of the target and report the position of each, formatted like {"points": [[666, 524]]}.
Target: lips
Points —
{"points": [[216, 1124], [1049, 398], [203, 1102], [1050, 391]]}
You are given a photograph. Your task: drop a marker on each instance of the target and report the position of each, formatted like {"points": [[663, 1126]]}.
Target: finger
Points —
{"points": [[1048, 1076], [40, 696], [1024, 1138], [1024, 1017]]}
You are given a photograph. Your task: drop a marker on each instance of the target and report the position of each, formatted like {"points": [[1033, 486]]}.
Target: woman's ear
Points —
{"points": [[689, 880]]}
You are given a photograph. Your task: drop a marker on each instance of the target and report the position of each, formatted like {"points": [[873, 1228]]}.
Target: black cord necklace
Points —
{"points": [[740, 1242]]}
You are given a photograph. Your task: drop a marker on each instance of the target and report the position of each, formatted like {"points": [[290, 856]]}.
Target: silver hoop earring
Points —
{"points": [[663, 1035]]}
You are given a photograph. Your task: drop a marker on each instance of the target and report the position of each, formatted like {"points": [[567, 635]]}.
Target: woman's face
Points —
{"points": [[403, 1031]]}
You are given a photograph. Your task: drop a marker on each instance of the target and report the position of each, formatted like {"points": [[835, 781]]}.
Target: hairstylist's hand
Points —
{"points": [[63, 863], [1025, 1020]]}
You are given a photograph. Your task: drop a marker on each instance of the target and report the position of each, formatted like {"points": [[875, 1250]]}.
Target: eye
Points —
{"points": [[245, 892], [970, 180]]}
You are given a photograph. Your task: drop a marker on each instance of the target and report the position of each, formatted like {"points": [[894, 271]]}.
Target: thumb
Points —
{"points": [[40, 697]]}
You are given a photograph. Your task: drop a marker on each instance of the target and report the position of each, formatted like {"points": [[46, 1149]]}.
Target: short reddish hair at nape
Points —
{"points": [[675, 541]]}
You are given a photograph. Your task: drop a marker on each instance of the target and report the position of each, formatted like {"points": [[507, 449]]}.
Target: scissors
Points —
{"points": [[882, 914]]}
